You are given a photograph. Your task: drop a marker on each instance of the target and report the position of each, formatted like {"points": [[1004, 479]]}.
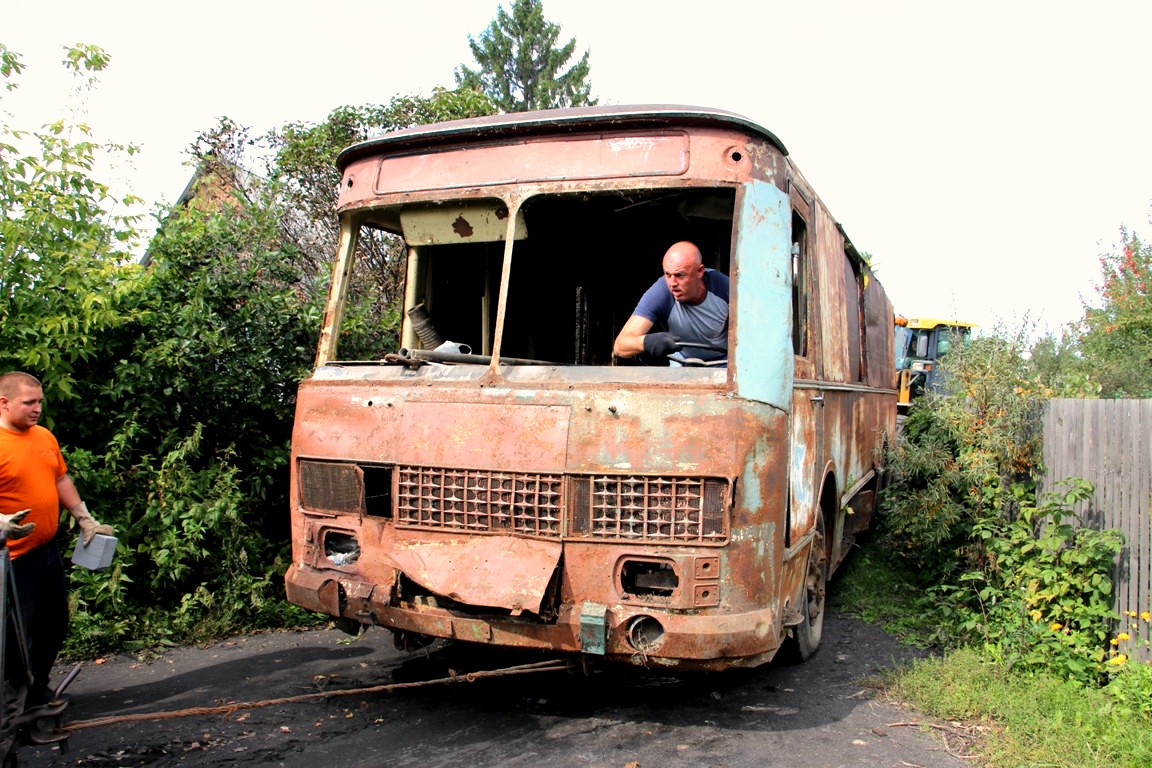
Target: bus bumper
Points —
{"points": [[637, 634]]}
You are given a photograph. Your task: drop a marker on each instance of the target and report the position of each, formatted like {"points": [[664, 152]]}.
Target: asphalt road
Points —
{"points": [[821, 713]]}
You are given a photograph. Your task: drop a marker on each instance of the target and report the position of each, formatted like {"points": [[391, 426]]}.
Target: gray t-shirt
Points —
{"points": [[703, 323]]}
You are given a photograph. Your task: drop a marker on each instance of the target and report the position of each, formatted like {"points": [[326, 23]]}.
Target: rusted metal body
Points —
{"points": [[546, 496]]}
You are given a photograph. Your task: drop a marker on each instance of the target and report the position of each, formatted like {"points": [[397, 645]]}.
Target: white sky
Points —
{"points": [[985, 152]]}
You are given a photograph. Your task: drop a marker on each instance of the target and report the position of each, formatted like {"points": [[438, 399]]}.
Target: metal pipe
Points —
{"points": [[434, 356]]}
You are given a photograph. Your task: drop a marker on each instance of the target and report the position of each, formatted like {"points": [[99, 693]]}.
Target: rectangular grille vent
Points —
{"points": [[674, 510], [479, 500], [331, 486]]}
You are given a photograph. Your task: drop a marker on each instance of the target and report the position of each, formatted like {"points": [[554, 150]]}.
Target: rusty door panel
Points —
{"points": [[833, 318], [806, 449]]}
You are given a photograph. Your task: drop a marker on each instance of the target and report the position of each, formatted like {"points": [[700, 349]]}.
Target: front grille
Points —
{"points": [[674, 510], [632, 508], [479, 500]]}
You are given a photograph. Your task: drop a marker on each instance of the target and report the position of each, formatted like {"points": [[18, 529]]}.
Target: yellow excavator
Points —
{"points": [[920, 343]]}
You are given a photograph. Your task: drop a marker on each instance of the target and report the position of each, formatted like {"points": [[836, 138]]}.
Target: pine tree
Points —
{"points": [[520, 65]]}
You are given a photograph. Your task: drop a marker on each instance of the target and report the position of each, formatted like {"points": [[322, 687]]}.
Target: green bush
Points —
{"points": [[191, 465], [964, 454], [1020, 579], [1130, 682], [1039, 596]]}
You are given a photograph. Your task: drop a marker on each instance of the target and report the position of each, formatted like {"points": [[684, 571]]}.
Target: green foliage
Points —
{"points": [[10, 65], [1131, 687], [196, 407], [520, 65], [963, 451], [170, 388], [1025, 719], [1023, 580], [64, 241], [1039, 592], [1131, 679], [1059, 368], [1017, 716], [305, 170], [1115, 338], [876, 586]]}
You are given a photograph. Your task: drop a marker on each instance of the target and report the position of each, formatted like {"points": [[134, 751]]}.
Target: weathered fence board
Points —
{"points": [[1109, 443]]}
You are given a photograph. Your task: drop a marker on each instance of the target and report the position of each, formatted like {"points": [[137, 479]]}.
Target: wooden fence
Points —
{"points": [[1109, 443]]}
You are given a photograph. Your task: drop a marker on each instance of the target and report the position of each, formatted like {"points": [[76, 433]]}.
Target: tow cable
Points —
{"points": [[227, 709]]}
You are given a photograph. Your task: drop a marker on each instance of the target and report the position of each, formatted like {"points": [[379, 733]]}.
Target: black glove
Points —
{"points": [[660, 344]]}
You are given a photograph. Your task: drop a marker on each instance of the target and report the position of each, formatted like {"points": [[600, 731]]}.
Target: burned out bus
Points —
{"points": [[501, 478]]}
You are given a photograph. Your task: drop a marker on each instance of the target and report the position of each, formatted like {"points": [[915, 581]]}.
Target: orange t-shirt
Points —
{"points": [[30, 465]]}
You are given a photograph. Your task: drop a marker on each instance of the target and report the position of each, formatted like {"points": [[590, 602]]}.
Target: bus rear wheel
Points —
{"points": [[812, 603]]}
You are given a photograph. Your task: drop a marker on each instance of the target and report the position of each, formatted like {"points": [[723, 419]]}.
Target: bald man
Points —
{"points": [[688, 304]]}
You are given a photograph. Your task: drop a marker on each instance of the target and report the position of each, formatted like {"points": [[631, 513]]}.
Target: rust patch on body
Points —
{"points": [[493, 571], [461, 227]]}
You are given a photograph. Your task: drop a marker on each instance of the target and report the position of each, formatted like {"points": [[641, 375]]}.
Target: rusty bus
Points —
{"points": [[503, 479]]}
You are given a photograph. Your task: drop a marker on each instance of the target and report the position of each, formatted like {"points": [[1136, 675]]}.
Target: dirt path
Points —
{"points": [[816, 714]]}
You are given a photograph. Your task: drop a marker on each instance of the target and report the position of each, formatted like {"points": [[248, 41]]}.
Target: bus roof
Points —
{"points": [[553, 121]]}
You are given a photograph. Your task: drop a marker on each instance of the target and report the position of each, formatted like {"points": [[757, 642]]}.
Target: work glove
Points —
{"points": [[660, 344], [11, 526], [88, 525]]}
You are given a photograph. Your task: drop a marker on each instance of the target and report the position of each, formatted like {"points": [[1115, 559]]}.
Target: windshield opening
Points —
{"points": [[580, 264]]}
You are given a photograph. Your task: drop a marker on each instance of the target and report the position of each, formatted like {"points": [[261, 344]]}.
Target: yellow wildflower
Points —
{"points": [[1118, 659], [1123, 636], [1114, 641], [1147, 615], [1056, 626]]}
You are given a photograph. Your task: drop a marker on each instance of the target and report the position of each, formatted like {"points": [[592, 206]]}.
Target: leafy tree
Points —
{"points": [[64, 242], [174, 385], [304, 166], [1059, 369], [520, 65], [196, 407], [1016, 576], [171, 387], [964, 450], [1115, 338]]}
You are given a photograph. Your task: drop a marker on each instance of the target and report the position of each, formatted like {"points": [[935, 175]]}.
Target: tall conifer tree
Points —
{"points": [[520, 64]]}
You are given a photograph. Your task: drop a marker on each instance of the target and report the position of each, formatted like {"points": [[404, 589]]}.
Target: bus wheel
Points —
{"points": [[807, 633]]}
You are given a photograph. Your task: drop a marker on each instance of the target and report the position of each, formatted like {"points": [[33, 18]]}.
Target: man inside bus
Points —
{"points": [[683, 315]]}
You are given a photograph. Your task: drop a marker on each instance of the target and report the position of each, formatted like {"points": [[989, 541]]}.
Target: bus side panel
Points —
{"points": [[859, 406]]}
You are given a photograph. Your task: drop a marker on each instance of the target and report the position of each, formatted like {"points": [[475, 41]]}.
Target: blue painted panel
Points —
{"points": [[763, 305]]}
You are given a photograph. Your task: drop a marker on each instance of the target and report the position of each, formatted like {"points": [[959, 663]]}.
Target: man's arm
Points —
{"points": [[70, 500], [66, 490], [630, 342]]}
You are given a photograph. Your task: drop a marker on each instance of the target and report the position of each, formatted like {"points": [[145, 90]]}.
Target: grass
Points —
{"points": [[1022, 720]]}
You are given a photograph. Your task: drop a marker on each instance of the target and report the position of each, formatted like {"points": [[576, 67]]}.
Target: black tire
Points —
{"points": [[812, 604]]}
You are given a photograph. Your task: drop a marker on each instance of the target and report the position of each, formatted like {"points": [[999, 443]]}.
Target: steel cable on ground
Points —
{"points": [[226, 709]]}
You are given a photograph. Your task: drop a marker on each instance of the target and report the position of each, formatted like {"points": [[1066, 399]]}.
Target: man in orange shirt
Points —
{"points": [[34, 477]]}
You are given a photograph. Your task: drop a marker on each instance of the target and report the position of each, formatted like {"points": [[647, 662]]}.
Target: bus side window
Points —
{"points": [[800, 289], [852, 334]]}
